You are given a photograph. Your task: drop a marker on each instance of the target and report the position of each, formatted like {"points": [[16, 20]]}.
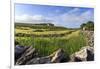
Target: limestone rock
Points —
{"points": [[26, 56], [41, 60], [56, 57], [19, 50], [85, 54], [59, 55]]}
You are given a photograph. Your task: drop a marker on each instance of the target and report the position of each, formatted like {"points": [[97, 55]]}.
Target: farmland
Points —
{"points": [[46, 34], [47, 39]]}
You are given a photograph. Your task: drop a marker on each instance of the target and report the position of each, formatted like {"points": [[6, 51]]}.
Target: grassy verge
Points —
{"points": [[45, 46]]}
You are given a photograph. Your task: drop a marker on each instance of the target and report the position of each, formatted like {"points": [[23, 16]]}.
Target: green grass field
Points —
{"points": [[47, 40]]}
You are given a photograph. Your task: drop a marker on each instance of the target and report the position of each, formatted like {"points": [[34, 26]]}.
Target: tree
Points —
{"points": [[88, 25], [83, 25]]}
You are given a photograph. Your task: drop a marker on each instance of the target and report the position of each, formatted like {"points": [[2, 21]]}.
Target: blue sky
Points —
{"points": [[71, 17]]}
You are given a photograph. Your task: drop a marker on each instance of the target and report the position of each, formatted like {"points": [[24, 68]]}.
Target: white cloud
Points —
{"points": [[31, 18], [38, 17], [23, 18]]}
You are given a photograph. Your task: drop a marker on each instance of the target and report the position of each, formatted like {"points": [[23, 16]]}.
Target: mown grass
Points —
{"points": [[47, 45]]}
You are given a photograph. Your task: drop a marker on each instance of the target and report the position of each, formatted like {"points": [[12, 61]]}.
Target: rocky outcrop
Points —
{"points": [[28, 54], [39, 60], [58, 56], [19, 50], [30, 57], [55, 57], [85, 54]]}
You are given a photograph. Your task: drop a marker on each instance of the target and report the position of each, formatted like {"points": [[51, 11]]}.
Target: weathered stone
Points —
{"points": [[26, 56], [90, 56], [85, 54], [33, 61], [19, 50], [41, 60], [58, 56], [90, 37]]}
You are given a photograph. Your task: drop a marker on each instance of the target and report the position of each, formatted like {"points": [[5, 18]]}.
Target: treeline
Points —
{"points": [[88, 26]]}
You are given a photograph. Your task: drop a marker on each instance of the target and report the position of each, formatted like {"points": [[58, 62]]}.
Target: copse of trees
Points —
{"points": [[88, 26]]}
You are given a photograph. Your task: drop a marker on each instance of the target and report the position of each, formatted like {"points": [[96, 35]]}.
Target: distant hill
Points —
{"points": [[30, 24], [49, 26]]}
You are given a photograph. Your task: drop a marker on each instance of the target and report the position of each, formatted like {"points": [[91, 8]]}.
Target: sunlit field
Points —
{"points": [[48, 40]]}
